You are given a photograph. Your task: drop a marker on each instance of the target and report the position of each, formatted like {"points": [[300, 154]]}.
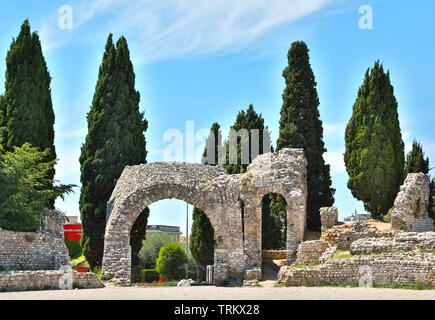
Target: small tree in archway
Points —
{"points": [[171, 261]]}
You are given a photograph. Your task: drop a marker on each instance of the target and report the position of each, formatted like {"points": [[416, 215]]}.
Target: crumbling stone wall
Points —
{"points": [[328, 216], [410, 206], [42, 250], [402, 241], [45, 279], [343, 235], [310, 252], [403, 269], [231, 202]]}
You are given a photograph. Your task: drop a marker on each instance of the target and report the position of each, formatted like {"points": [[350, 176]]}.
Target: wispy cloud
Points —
{"points": [[173, 28]]}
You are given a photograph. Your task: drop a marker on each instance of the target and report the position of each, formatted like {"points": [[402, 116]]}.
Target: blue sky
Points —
{"points": [[204, 61]]}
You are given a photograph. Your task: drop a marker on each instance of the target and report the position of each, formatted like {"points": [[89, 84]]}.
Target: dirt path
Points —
{"points": [[221, 293]]}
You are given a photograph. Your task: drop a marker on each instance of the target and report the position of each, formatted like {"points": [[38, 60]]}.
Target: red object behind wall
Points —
{"points": [[72, 231]]}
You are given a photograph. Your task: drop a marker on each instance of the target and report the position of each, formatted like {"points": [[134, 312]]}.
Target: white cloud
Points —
{"points": [[336, 161], [173, 28]]}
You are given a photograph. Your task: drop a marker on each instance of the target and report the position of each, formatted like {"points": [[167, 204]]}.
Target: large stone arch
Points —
{"points": [[219, 195]]}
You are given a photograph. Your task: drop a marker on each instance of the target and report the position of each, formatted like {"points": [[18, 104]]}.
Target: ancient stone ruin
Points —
{"points": [[328, 216], [39, 260], [410, 207], [231, 202]]}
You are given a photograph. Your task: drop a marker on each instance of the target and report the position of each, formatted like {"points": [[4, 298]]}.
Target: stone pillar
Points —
{"points": [[252, 235], [329, 216]]}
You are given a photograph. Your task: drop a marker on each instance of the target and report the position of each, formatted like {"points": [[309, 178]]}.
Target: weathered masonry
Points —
{"points": [[231, 202]]}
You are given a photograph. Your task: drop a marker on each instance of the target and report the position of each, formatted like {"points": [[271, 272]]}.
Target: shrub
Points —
{"points": [[149, 275], [74, 248], [171, 261], [192, 275], [151, 247]]}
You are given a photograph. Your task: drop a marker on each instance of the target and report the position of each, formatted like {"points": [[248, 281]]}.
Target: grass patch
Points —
{"points": [[78, 260], [167, 284], [341, 254], [424, 250], [300, 266], [29, 239]]}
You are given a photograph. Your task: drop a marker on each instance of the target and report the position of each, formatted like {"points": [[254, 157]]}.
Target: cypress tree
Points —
{"points": [[374, 155], [26, 110], [248, 120], [115, 139], [415, 161], [202, 237], [300, 127]]}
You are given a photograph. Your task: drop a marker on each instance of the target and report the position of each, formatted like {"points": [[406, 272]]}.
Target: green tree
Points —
{"points": [[115, 139], [26, 110], [248, 120], [300, 127], [202, 237], [151, 246], [415, 161], [374, 155], [24, 192], [171, 261], [274, 221]]}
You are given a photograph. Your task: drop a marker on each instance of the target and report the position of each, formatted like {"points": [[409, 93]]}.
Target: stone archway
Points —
{"points": [[219, 195]]}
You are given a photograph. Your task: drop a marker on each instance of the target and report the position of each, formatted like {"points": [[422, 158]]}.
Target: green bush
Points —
{"points": [[149, 275], [171, 261], [74, 248], [192, 275], [151, 247]]}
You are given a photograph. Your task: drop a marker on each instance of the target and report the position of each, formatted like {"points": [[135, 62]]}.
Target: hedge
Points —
{"points": [[149, 275]]}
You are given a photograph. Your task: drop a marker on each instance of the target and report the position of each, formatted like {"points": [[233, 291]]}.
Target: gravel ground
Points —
{"points": [[221, 293]]}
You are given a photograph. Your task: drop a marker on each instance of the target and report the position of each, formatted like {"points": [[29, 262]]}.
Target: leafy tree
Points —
{"points": [[151, 246], [171, 261], [24, 191], [115, 139], [374, 155], [300, 127], [415, 161], [26, 110]]}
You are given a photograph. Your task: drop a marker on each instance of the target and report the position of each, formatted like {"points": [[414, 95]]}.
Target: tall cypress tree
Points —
{"points": [[115, 139], [415, 161], [202, 237], [300, 127], [374, 155], [26, 110], [248, 120]]}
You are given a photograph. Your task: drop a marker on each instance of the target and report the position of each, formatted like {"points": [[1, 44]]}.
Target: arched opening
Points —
{"points": [[166, 223], [273, 234]]}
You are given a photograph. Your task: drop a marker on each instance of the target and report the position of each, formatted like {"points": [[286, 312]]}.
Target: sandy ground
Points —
{"points": [[268, 292]]}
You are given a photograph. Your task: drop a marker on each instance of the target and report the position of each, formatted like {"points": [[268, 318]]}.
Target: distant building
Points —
{"points": [[183, 239], [171, 230]]}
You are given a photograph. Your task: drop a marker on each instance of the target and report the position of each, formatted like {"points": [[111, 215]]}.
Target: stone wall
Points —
{"points": [[310, 252], [400, 269], [402, 241], [410, 206], [45, 280], [43, 250], [342, 236]]}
